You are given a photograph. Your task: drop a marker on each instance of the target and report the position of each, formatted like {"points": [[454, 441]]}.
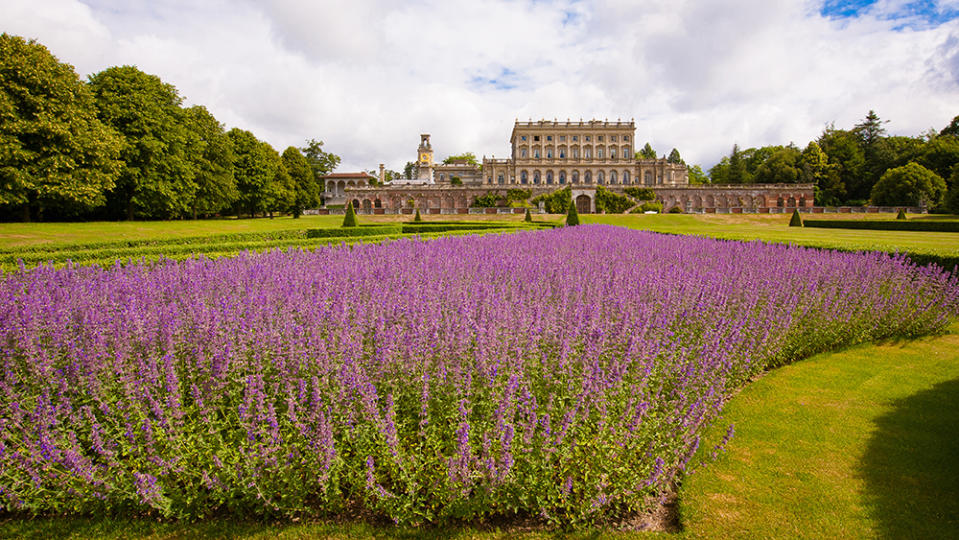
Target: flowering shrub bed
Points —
{"points": [[564, 374]]}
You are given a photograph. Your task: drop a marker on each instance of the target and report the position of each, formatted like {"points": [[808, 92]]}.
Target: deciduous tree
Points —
{"points": [[157, 179], [254, 169], [911, 185], [55, 154], [212, 157], [306, 188]]}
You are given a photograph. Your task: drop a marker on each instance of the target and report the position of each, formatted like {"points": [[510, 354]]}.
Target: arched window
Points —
{"points": [[587, 178], [535, 177], [549, 152], [523, 152], [549, 177], [599, 177], [562, 152], [562, 177], [575, 178], [599, 152], [499, 179], [524, 177], [587, 153], [648, 178], [612, 177], [625, 177], [536, 153], [575, 152]]}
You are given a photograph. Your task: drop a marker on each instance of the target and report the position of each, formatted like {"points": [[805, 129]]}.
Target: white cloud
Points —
{"points": [[368, 76]]}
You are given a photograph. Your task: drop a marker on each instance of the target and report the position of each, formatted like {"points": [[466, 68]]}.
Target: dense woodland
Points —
{"points": [[123, 146], [856, 166]]}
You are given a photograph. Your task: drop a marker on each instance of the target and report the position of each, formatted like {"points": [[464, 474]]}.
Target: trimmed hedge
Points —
{"points": [[894, 225], [354, 231]]}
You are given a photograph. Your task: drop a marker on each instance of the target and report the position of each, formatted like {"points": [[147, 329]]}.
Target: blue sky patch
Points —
{"points": [[506, 79], [923, 11]]}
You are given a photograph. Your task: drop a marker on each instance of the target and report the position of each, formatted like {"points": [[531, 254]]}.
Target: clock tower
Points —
{"points": [[424, 159]]}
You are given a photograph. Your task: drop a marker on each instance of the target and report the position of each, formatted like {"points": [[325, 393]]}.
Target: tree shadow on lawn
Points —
{"points": [[911, 466]]}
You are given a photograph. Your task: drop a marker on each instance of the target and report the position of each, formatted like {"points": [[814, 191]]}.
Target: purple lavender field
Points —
{"points": [[564, 375]]}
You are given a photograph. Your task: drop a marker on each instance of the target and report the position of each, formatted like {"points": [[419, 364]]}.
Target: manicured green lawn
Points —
{"points": [[775, 228], [14, 235], [861, 443]]}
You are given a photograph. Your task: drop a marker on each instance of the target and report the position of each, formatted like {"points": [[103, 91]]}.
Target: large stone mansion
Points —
{"points": [[546, 156]]}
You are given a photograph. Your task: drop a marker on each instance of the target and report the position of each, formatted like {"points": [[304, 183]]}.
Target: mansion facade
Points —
{"points": [[550, 155]]}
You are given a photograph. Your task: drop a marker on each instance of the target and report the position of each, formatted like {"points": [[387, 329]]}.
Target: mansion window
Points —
{"points": [[536, 138], [549, 153], [612, 177], [612, 152], [562, 138], [522, 152], [599, 153], [599, 139], [499, 179], [575, 152], [524, 177], [536, 153], [575, 138], [562, 154], [586, 138], [586, 153], [523, 138], [562, 177], [625, 138], [612, 138], [536, 177], [549, 177], [625, 177], [599, 177], [575, 177], [587, 178], [549, 137]]}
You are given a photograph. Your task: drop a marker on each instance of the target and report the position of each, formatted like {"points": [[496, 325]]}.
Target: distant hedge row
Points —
{"points": [[898, 225], [109, 253]]}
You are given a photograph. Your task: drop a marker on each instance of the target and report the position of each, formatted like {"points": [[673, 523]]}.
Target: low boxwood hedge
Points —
{"points": [[893, 225]]}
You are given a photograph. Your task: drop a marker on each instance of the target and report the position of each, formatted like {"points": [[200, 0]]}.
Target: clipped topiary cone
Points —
{"points": [[901, 214], [572, 216], [528, 218], [350, 219], [795, 221], [417, 218]]}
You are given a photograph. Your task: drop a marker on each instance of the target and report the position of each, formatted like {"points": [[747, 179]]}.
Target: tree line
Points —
{"points": [[121, 145], [858, 166]]}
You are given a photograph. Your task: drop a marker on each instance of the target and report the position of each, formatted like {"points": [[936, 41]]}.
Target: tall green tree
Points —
{"points": [[408, 170], [212, 156], [254, 168], [940, 155], [280, 193], [846, 154], [952, 128], [912, 184], [738, 173], [674, 157], [697, 176], [306, 188], [56, 156], [781, 166], [321, 161], [815, 169], [646, 152], [719, 173], [157, 179]]}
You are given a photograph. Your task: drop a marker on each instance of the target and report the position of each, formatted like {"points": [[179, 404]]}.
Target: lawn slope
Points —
{"points": [[862, 443]]}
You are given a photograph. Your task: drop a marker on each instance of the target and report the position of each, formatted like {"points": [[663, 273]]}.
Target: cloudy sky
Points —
{"points": [[368, 76]]}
